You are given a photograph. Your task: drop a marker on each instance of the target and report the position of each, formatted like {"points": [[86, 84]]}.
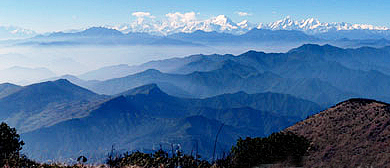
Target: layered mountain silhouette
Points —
{"points": [[182, 102], [354, 133], [363, 58], [44, 104], [174, 65], [145, 118], [323, 74]]}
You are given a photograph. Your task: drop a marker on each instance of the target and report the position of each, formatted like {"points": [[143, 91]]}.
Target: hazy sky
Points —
{"points": [[55, 15]]}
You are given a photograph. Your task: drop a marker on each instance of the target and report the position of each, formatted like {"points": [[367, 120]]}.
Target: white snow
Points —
{"points": [[313, 26], [189, 22]]}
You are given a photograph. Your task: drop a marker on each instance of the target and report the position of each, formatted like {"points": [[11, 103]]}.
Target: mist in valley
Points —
{"points": [[29, 64]]}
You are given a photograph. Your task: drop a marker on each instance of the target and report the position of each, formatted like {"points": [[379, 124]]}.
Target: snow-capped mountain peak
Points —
{"points": [[311, 23], [222, 20], [286, 24], [188, 22], [244, 22], [312, 26], [245, 25], [223, 23]]}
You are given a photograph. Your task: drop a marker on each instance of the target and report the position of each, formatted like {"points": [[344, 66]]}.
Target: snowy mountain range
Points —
{"points": [[185, 23], [13, 32], [188, 23], [314, 26]]}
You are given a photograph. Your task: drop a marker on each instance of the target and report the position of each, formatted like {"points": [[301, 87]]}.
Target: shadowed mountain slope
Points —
{"points": [[145, 117], [46, 103], [282, 104]]}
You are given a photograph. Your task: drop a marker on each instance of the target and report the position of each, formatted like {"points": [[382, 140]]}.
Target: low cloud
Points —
{"points": [[142, 14], [243, 14], [182, 17]]}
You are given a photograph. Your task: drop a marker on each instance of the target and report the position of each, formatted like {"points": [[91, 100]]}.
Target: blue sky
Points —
{"points": [[55, 15]]}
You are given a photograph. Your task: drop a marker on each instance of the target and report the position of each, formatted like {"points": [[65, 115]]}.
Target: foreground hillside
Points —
{"points": [[354, 133]]}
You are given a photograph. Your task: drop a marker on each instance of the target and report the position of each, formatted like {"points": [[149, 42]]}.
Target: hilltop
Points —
{"points": [[354, 133]]}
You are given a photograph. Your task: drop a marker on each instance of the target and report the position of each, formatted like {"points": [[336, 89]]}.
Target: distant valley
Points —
{"points": [[181, 102]]}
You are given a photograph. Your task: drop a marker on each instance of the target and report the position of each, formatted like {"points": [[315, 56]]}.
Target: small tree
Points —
{"points": [[282, 147], [10, 144]]}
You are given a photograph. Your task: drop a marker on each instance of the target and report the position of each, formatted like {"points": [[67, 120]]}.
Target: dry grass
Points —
{"points": [[354, 133]]}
